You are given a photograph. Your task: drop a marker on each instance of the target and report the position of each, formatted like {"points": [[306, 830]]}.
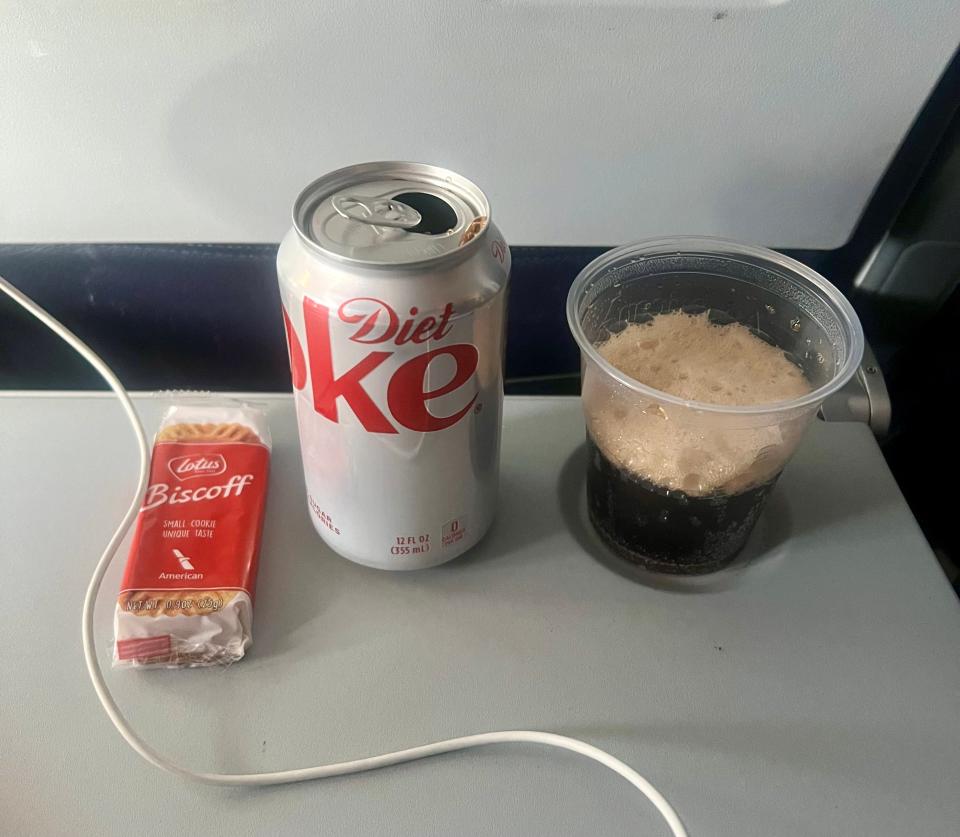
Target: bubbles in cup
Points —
{"points": [[673, 475], [691, 357]]}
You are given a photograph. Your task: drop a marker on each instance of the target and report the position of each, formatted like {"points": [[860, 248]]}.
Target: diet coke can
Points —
{"points": [[393, 282]]}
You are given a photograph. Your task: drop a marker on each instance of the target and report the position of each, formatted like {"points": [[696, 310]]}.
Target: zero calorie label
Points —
{"points": [[200, 522]]}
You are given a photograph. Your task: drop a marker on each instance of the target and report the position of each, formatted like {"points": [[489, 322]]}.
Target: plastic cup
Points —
{"points": [[693, 512]]}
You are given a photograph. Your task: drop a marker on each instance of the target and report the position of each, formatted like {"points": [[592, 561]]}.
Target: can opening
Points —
{"points": [[436, 215], [362, 214]]}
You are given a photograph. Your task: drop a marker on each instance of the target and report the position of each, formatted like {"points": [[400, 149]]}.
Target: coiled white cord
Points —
{"points": [[304, 773]]}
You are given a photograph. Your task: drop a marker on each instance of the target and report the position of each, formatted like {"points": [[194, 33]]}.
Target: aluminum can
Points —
{"points": [[393, 284]]}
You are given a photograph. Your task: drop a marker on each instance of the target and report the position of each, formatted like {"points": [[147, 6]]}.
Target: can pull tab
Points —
{"points": [[376, 211]]}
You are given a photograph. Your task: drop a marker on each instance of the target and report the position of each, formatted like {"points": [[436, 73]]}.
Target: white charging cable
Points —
{"points": [[304, 773]]}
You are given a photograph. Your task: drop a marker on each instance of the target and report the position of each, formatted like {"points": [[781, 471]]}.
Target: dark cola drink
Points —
{"points": [[679, 493], [668, 530]]}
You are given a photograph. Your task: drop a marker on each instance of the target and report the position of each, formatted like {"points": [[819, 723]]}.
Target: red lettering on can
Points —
{"points": [[382, 324], [408, 400], [370, 321], [326, 388], [298, 366]]}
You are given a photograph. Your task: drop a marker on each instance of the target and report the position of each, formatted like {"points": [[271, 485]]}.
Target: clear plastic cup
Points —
{"points": [[677, 485]]}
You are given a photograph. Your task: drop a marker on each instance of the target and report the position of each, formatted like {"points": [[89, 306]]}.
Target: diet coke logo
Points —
{"points": [[197, 465], [378, 323], [383, 325]]}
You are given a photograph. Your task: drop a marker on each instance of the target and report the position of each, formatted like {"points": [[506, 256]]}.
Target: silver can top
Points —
{"points": [[391, 213]]}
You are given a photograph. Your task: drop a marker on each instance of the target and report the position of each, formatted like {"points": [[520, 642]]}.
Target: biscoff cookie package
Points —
{"points": [[187, 593]]}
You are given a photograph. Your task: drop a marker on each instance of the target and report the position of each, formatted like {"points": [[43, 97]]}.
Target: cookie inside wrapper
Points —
{"points": [[187, 593]]}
